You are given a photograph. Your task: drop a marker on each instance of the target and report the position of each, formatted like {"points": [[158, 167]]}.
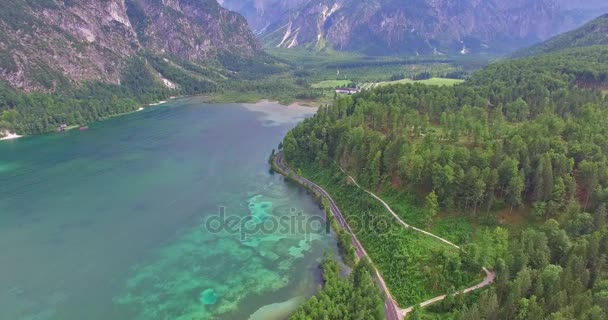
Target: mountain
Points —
{"points": [[261, 13], [420, 27], [591, 34], [411, 26], [49, 44]]}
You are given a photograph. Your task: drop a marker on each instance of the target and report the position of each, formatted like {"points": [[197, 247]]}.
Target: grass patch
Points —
{"points": [[453, 228], [431, 81], [235, 97], [330, 84], [483, 231]]}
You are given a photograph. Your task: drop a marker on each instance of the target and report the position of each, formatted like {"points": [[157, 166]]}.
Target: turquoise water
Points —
{"points": [[110, 223]]}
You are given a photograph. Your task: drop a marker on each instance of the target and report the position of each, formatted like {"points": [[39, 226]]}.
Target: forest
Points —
{"points": [[519, 148], [231, 78], [355, 297], [42, 112]]}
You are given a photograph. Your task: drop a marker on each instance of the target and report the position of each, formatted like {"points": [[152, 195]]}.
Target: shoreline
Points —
{"points": [[312, 104], [10, 136], [142, 108], [155, 104], [253, 99]]}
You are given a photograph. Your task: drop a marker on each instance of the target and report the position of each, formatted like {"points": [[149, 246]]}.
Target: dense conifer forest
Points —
{"points": [[520, 148]]}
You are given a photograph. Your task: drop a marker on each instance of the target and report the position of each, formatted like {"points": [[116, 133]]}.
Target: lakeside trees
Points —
{"points": [[142, 82], [353, 298]]}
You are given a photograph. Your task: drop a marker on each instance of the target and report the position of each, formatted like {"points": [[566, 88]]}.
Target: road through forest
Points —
{"points": [[392, 310]]}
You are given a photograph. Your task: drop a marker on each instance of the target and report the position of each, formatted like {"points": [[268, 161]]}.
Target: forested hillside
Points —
{"points": [[140, 84], [592, 33], [74, 62], [525, 138]]}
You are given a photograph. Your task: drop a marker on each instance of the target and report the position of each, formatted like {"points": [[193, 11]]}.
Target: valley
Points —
{"points": [[454, 153]]}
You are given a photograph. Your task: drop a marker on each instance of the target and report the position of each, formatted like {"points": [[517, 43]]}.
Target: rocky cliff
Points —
{"points": [[45, 44], [262, 13], [412, 26]]}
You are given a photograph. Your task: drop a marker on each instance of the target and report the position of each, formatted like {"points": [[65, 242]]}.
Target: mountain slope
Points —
{"points": [[591, 34], [412, 26], [519, 134], [75, 62], [418, 27], [49, 44]]}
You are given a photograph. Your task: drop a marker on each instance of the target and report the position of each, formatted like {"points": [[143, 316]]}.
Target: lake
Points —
{"points": [[128, 220]]}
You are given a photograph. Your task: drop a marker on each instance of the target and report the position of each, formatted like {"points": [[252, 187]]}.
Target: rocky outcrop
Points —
{"points": [[193, 29], [47, 44]]}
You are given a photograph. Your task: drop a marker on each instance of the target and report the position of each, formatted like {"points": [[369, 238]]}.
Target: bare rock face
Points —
{"points": [[194, 29], [419, 26], [47, 44], [411, 26]]}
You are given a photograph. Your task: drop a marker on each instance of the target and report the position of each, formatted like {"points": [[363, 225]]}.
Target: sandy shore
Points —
{"points": [[10, 136], [277, 311]]}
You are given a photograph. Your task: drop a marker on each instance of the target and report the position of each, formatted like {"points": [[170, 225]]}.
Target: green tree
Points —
{"points": [[431, 207]]}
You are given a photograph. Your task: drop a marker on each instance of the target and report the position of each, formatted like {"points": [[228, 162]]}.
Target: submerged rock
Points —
{"points": [[208, 297]]}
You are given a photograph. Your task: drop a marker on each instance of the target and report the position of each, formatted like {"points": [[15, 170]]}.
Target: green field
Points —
{"points": [[432, 81], [330, 84]]}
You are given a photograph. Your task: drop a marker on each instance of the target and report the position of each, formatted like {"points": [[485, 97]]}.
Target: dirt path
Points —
{"points": [[488, 280], [490, 275], [397, 216], [392, 310]]}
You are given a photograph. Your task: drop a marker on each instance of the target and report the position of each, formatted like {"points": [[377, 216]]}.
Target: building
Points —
{"points": [[346, 90]]}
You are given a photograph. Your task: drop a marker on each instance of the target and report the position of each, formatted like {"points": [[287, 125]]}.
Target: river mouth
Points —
{"points": [[113, 222]]}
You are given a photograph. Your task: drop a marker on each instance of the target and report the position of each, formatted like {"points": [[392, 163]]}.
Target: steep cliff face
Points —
{"points": [[418, 26], [412, 26], [191, 29], [262, 13], [50, 43]]}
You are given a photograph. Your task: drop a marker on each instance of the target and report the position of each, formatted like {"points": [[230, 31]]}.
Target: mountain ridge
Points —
{"points": [[381, 27], [49, 44]]}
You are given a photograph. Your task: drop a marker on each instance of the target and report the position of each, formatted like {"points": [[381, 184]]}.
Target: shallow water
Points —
{"points": [[111, 223]]}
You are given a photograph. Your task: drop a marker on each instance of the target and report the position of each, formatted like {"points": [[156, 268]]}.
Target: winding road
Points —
{"points": [[391, 309]]}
